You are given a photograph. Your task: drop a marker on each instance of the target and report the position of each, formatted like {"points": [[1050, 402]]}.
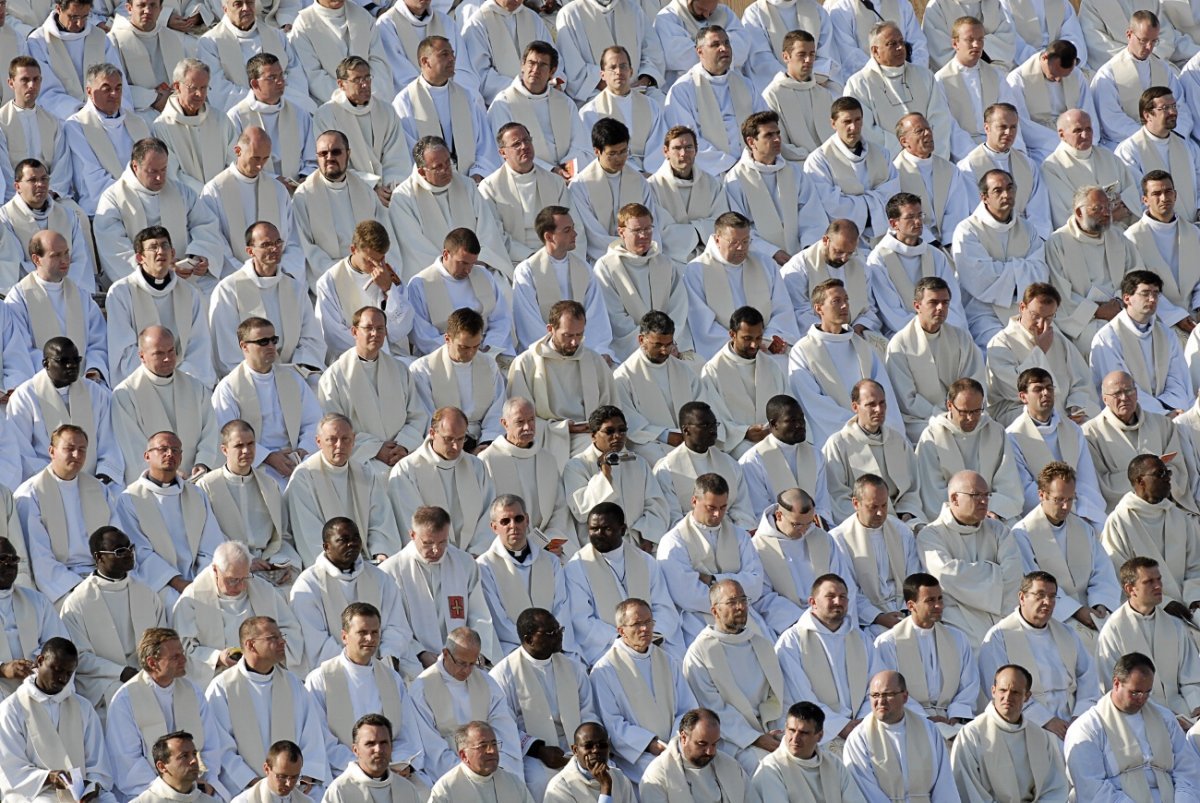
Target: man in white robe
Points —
{"points": [[996, 254], [583, 31], [973, 557], [439, 587], [1137, 342], [403, 27], [49, 732], [1156, 147], [210, 611], [456, 688], [1078, 161], [606, 472], [151, 693], [461, 374], [630, 105], [1048, 82], [66, 42], [643, 689], [691, 200], [835, 257], [380, 152], [1002, 755], [1106, 28], [150, 49], [155, 293], [338, 576], [287, 123], [693, 769], [784, 459], [324, 33], [442, 473], [198, 134], [169, 521], [1119, 82], [101, 135], [178, 771], [105, 616], [589, 771], [31, 130], [374, 741], [549, 693], [729, 275], [479, 746], [28, 618], [49, 303], [356, 683], [697, 454], [937, 660], [713, 99], [868, 444], [768, 25], [272, 398], [1032, 204], [896, 754], [761, 186], [920, 386], [495, 41], [799, 766], [58, 395], [1128, 746], [145, 194], [258, 702], [1087, 256], [1065, 684], [798, 93], [966, 436], [246, 192], [284, 779], [32, 209], [936, 181], [238, 35], [970, 83]]}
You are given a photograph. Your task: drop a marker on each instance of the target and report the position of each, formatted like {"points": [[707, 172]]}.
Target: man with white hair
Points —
{"points": [[853, 26], [1047, 83], [1077, 162], [211, 609], [233, 40], [101, 135], [479, 745], [198, 135]]}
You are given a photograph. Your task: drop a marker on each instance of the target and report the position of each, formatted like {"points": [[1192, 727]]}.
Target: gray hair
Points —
{"points": [[330, 418], [510, 406], [464, 638], [1082, 193], [102, 69], [880, 28], [187, 65], [229, 554], [462, 734]]}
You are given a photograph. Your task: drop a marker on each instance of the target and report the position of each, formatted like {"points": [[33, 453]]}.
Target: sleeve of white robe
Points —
{"points": [[982, 585], [683, 579], [54, 579], [152, 569]]}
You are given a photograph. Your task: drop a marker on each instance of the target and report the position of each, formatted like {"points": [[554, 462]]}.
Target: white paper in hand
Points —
{"points": [[76, 783]]}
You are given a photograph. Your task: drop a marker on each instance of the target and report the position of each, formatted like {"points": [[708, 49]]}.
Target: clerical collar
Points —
{"points": [[876, 434], [103, 576], [173, 481], [155, 284], [679, 176], [252, 671], [361, 358], [1040, 424], [519, 557]]}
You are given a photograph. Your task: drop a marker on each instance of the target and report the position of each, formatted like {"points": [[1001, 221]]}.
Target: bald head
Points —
{"points": [[51, 255], [966, 481], [253, 151], [1075, 129], [156, 350]]}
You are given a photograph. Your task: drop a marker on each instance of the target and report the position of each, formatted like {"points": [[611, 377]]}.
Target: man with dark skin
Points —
{"points": [[10, 562], [542, 643], [53, 670], [114, 556], [610, 438], [591, 748]]}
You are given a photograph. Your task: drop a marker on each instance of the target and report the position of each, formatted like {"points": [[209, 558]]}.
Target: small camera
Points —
{"points": [[612, 458]]}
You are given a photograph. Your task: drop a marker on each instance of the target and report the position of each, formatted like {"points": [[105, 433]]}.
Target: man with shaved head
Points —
{"points": [[973, 556]]}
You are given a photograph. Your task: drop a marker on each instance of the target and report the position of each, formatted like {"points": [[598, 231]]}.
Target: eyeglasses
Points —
{"points": [[643, 624], [1161, 475], [507, 520], [269, 244], [735, 601], [1122, 394], [156, 248], [486, 747], [974, 495], [884, 695], [558, 631], [263, 341], [613, 430], [1169, 107], [120, 552], [963, 411], [360, 80], [454, 660], [9, 560], [166, 449]]}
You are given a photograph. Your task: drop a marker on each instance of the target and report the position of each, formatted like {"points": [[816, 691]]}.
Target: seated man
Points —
{"points": [[608, 569], [691, 768], [741, 378], [629, 104], [549, 693], [287, 123], [250, 710], [439, 586], [784, 458], [152, 691], [885, 770], [528, 462], [1049, 82], [332, 483], [834, 256], [559, 141], [170, 521], [48, 731], [935, 180], [768, 25], [442, 473], [713, 81], [966, 435], [517, 573], [735, 670], [354, 684], [283, 767], [375, 392], [827, 659], [157, 397], [479, 747], [1064, 675], [496, 42], [178, 770], [937, 661], [461, 374], [238, 35], [1161, 236], [105, 616], [32, 209], [245, 192], [1002, 754], [691, 200], [971, 80], [99, 150], [635, 277], [373, 741], [727, 276], [973, 557], [156, 295], [800, 764], [868, 444], [378, 151], [1031, 339], [996, 255], [322, 39], [210, 611], [563, 378], [248, 505], [29, 129], [606, 472], [85, 44], [1087, 256], [644, 690], [920, 386], [403, 27], [1156, 146], [695, 456], [58, 395], [339, 575], [1077, 162], [588, 772], [58, 508], [259, 288], [762, 185], [881, 552], [455, 688], [1137, 342], [28, 618], [996, 152], [198, 135], [798, 93], [585, 29], [273, 399], [852, 31]]}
